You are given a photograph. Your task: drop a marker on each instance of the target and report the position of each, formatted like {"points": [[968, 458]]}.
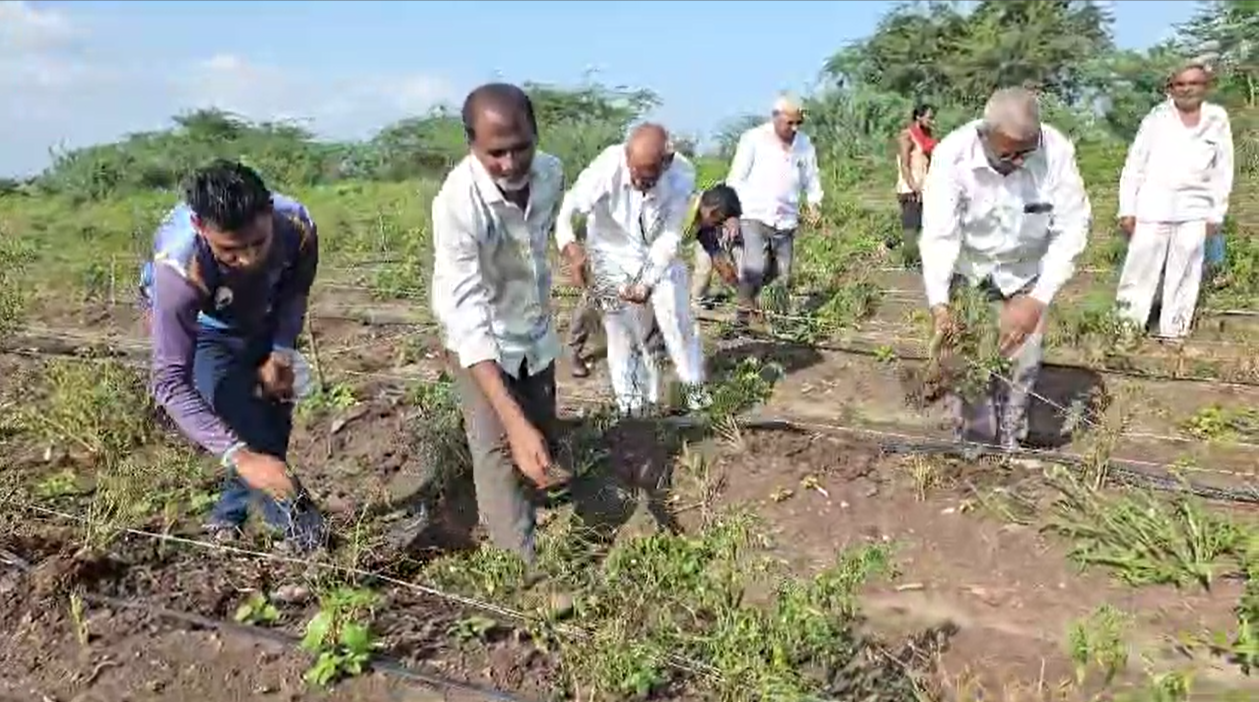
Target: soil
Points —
{"points": [[1002, 595]]}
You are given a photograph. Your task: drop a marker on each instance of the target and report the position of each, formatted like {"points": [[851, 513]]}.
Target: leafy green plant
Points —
{"points": [[341, 642]]}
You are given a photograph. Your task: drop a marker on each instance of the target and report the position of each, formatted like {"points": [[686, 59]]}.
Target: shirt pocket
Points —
{"points": [[1201, 155]]}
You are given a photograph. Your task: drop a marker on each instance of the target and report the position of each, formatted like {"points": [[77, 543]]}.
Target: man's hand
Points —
{"points": [[528, 450], [725, 269], [262, 472], [1127, 225], [812, 215], [1019, 319], [1213, 228], [730, 231], [276, 377], [943, 329], [636, 293], [575, 257]]}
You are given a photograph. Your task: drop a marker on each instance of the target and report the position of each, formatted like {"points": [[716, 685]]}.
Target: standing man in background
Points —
{"points": [[491, 293], [1173, 197], [635, 198], [1004, 210], [772, 164], [226, 294], [913, 156]]}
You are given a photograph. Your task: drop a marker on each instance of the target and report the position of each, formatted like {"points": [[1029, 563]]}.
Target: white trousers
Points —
{"points": [[636, 376], [1171, 252]]}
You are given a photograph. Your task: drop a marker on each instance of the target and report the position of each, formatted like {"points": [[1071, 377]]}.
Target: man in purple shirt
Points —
{"points": [[226, 295]]}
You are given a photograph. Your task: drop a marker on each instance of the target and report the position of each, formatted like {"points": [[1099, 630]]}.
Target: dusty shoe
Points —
{"points": [[410, 532], [221, 532]]}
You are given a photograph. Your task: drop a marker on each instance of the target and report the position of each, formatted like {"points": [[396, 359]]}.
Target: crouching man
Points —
{"points": [[491, 292], [1004, 209], [226, 293], [636, 197]]}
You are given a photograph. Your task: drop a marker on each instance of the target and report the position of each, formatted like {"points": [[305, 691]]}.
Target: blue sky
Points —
{"points": [[84, 72]]}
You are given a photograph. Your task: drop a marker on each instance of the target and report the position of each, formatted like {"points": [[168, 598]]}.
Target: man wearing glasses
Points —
{"points": [[1173, 197], [1004, 210], [772, 164]]}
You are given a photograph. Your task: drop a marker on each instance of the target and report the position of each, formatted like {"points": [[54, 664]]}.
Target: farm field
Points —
{"points": [[794, 541], [811, 536]]}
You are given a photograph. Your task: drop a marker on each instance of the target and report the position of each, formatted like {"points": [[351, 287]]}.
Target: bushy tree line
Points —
{"points": [[922, 51]]}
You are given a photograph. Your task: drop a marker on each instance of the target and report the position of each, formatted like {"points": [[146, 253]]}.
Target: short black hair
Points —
{"points": [[723, 199], [500, 96], [922, 109], [227, 195]]}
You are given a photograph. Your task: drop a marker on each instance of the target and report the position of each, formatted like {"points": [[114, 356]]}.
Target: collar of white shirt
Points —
{"points": [[539, 182]]}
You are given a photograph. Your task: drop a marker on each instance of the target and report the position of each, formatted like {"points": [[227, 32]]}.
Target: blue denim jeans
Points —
{"points": [[1214, 257], [225, 373]]}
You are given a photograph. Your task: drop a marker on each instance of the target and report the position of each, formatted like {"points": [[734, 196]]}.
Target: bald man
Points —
{"points": [[1004, 211], [636, 197], [772, 164]]}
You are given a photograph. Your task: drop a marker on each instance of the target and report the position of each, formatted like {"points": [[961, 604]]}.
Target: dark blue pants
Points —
{"points": [[225, 372]]}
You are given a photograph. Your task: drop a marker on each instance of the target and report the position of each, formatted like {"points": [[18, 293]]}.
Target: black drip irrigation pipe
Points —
{"points": [[869, 353], [1127, 472], [382, 664]]}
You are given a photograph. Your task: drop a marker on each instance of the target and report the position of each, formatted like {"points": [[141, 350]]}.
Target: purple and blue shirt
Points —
{"points": [[187, 291]]}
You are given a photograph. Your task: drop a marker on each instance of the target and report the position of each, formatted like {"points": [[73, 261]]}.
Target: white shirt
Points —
{"points": [[768, 176], [1176, 173], [491, 286], [629, 234], [1031, 224]]}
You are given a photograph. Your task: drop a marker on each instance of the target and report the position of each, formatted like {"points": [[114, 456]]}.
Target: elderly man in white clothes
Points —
{"points": [[491, 293], [1004, 209], [772, 164], [636, 197], [1173, 196]]}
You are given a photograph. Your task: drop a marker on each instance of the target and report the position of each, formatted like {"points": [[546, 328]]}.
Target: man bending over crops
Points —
{"points": [[636, 198], [227, 289], [772, 164], [491, 292], [1173, 196], [1004, 210]]}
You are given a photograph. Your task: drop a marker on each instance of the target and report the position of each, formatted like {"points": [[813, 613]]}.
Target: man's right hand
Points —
{"points": [[944, 327], [263, 472], [529, 452], [1127, 225], [575, 257]]}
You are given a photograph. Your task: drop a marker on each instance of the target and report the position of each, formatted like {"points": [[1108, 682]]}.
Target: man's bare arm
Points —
{"points": [[905, 148]]}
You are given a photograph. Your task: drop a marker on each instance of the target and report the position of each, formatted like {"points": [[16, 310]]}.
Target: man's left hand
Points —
{"points": [[636, 293], [276, 377], [812, 216], [1019, 319]]}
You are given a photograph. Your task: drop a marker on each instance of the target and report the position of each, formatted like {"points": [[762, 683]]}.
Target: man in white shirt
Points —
{"points": [[491, 292], [1173, 197], [772, 164], [635, 198], [1004, 209]]}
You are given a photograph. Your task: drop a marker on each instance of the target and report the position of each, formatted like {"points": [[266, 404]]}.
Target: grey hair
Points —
{"points": [[1014, 112], [1199, 63]]}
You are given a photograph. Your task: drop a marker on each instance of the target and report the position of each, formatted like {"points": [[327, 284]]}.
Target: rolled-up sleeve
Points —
{"points": [[461, 298], [1068, 228], [941, 240]]}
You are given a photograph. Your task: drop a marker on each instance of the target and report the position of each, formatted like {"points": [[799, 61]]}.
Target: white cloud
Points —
{"points": [[68, 93]]}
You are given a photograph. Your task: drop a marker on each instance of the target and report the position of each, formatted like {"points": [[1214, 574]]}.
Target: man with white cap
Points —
{"points": [[1004, 210], [1173, 196], [636, 197], [772, 164]]}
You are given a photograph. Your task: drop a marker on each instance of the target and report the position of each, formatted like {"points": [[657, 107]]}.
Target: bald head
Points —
{"points": [[647, 154], [1013, 112], [788, 115]]}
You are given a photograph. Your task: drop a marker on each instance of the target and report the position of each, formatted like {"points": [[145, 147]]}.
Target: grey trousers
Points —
{"points": [[503, 494], [767, 256], [999, 416]]}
